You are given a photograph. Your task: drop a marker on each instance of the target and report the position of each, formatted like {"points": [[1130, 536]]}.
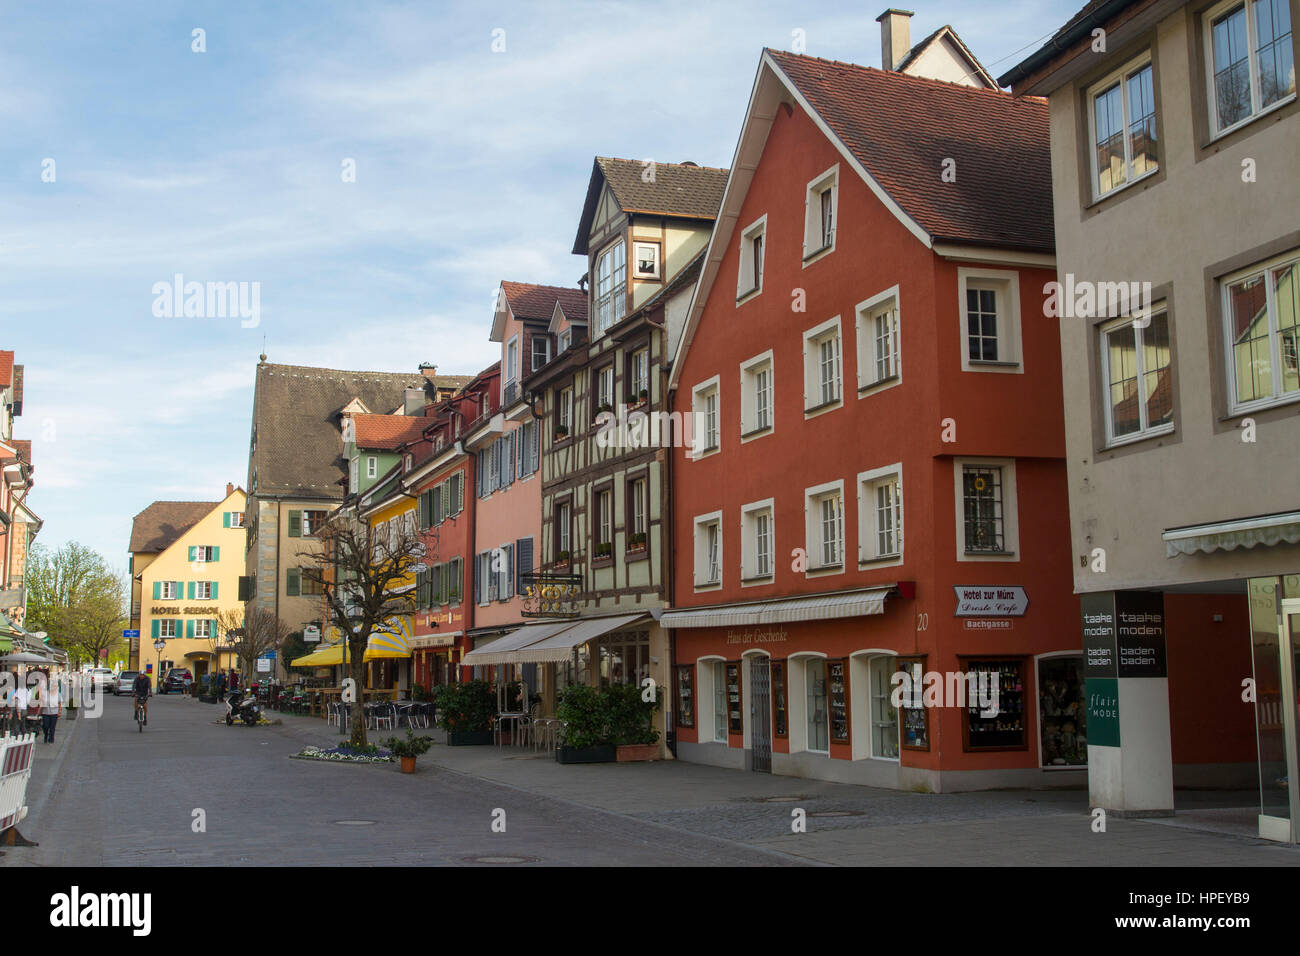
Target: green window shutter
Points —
{"points": [[155, 629], [194, 552], [212, 628], [459, 492], [216, 553], [157, 592], [295, 524], [225, 519], [189, 629], [189, 590], [214, 590], [293, 583]]}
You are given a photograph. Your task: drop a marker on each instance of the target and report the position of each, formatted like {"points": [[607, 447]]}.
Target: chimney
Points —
{"points": [[413, 400], [230, 489], [895, 37], [429, 370]]}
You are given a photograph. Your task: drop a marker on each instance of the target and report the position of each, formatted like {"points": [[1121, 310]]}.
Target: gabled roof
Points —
{"points": [[295, 417], [903, 128], [529, 301], [975, 70], [684, 190], [1120, 19], [159, 526], [388, 432], [895, 131]]}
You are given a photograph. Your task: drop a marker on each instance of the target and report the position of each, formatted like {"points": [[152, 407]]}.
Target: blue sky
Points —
{"points": [[471, 167]]}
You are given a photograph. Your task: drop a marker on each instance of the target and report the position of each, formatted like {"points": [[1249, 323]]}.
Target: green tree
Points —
{"points": [[77, 599]]}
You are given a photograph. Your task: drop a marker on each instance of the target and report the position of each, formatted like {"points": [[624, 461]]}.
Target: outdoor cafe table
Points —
{"points": [[320, 696]]}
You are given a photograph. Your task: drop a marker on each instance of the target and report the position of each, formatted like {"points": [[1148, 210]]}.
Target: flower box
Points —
{"points": [[632, 752], [469, 738], [602, 754]]}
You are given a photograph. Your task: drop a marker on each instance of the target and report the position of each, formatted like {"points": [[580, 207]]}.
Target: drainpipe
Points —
{"points": [[467, 593], [670, 552]]}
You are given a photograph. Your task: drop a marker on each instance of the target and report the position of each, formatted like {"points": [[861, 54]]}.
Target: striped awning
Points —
{"points": [[395, 637], [503, 650], [559, 647], [1267, 530], [824, 607]]}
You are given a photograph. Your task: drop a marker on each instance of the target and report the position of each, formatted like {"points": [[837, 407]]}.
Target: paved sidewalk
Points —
{"points": [[861, 826]]}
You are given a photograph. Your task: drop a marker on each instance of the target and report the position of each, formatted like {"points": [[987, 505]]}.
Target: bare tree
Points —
{"points": [[366, 574], [258, 632]]}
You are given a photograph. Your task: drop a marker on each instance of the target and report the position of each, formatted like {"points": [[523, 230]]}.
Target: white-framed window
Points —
{"points": [[639, 376], [372, 466], [169, 590], [512, 363], [541, 349], [705, 418], [879, 349], [757, 542], [605, 388], [817, 706], [1122, 126], [203, 590], [822, 372], [986, 509], [880, 514], [708, 550], [636, 490], [756, 395], [352, 475], [645, 260], [563, 530], [1249, 62], [604, 523], [563, 339], [167, 627], [1261, 309], [205, 553], [1136, 370], [611, 286], [990, 320], [824, 531], [565, 415], [821, 208], [749, 279], [236, 519], [203, 628], [884, 715]]}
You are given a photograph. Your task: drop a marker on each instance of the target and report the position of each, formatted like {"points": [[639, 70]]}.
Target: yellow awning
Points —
{"points": [[332, 656]]}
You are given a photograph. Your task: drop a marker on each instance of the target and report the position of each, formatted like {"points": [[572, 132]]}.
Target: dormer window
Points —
{"points": [[541, 346], [646, 260], [562, 342], [611, 286]]}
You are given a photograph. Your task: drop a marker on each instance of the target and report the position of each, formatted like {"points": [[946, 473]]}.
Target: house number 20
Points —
{"points": [[923, 620]]}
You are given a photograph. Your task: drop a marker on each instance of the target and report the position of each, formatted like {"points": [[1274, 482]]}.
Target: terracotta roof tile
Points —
{"points": [[389, 431], [529, 301], [902, 129], [159, 525]]}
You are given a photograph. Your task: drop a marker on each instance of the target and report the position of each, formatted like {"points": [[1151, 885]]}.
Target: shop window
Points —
{"points": [[914, 717], [686, 695], [1005, 729], [1062, 712], [837, 697], [779, 716], [817, 710], [735, 716], [884, 715], [719, 701]]}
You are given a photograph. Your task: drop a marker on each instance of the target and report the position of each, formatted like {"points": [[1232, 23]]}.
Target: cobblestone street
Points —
{"points": [[108, 795]]}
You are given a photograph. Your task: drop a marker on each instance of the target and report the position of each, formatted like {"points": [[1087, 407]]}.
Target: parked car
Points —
{"points": [[175, 680], [125, 680], [101, 678]]}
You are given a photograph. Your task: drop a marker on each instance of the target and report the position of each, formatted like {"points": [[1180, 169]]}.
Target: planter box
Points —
{"points": [[469, 738], [630, 752], [408, 764], [602, 754]]}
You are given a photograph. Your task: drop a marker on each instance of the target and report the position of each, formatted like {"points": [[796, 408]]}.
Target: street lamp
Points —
{"points": [[158, 646]]}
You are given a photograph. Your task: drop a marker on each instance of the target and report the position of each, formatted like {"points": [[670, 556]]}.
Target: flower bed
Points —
{"points": [[344, 754]]}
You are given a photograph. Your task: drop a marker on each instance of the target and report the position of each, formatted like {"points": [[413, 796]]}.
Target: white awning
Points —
{"points": [[560, 646], [503, 650], [1230, 535], [824, 607], [426, 641]]}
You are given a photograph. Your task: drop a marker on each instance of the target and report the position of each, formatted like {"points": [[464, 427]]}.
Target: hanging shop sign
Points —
{"points": [[998, 601]]}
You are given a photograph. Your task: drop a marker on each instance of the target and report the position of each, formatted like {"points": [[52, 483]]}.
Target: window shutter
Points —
{"points": [[508, 576], [419, 511], [157, 590], [155, 628], [245, 587], [212, 628], [293, 583], [437, 504], [225, 519], [514, 441], [478, 579], [478, 475], [214, 590], [189, 590], [523, 561], [537, 446], [295, 524], [455, 578], [193, 552], [216, 553], [189, 627]]}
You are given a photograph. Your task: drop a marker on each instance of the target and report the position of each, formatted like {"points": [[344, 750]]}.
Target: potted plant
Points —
{"points": [[631, 723], [409, 748], [604, 550], [637, 541], [561, 432], [645, 395], [562, 559], [466, 712], [586, 726], [630, 399]]}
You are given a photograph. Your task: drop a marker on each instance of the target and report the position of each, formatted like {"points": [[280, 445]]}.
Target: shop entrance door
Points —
{"points": [[1277, 708], [760, 713]]}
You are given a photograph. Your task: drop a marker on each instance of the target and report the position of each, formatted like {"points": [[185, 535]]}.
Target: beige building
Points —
{"points": [[1175, 138], [186, 558]]}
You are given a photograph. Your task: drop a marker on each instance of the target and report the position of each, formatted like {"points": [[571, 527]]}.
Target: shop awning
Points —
{"points": [[1229, 535], [332, 656], [559, 647], [824, 607], [423, 642], [504, 649]]}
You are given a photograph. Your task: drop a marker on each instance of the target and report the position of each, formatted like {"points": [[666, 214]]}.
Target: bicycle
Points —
{"points": [[139, 714]]}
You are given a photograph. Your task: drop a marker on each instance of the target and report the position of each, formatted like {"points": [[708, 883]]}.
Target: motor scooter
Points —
{"points": [[242, 705]]}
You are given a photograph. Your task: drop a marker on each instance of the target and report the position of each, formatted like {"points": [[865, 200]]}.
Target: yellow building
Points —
{"points": [[186, 561]]}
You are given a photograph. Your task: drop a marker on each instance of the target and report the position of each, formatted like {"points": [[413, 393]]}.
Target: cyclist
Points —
{"points": [[141, 690]]}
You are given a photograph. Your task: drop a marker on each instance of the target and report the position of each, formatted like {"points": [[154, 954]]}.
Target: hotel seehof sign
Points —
{"points": [[175, 611]]}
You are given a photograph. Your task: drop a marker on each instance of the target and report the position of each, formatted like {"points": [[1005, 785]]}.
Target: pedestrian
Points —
{"points": [[189, 682], [51, 702], [221, 686], [18, 708]]}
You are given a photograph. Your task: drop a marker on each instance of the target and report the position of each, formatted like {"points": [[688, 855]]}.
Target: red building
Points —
{"points": [[876, 480]]}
